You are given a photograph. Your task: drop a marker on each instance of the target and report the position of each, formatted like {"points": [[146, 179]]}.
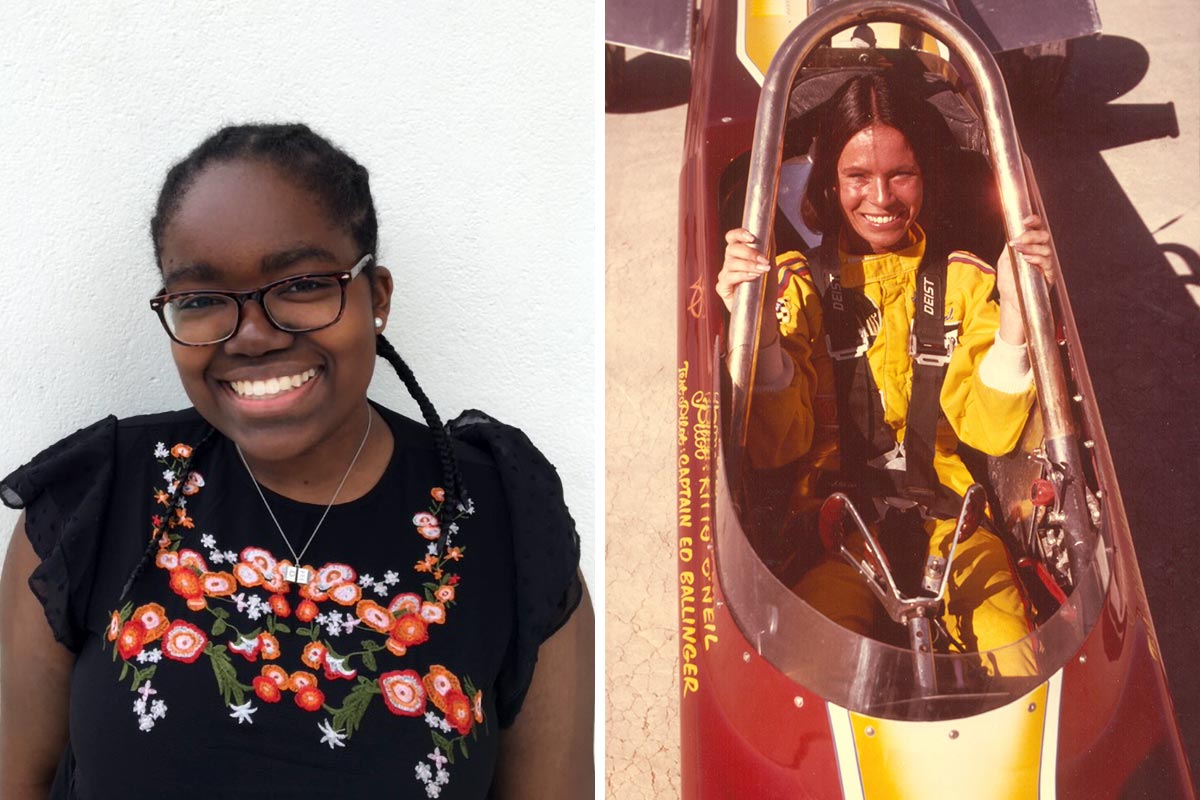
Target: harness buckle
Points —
{"points": [[932, 355], [845, 354]]}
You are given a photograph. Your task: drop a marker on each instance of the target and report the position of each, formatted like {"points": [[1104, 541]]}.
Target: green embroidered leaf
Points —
{"points": [[219, 612], [218, 627], [470, 687], [462, 742], [445, 744], [369, 662], [347, 718], [302, 631], [140, 675], [281, 628], [271, 625], [124, 671], [226, 675], [371, 646]]}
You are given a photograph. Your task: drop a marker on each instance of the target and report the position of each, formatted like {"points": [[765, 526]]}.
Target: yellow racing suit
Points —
{"points": [[796, 420]]}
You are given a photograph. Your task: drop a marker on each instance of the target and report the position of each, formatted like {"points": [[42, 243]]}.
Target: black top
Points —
{"points": [[390, 674]]}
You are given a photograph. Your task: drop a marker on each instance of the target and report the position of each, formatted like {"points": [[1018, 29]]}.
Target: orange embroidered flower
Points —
{"points": [[190, 558], [197, 603], [266, 689], [181, 450], [195, 481], [438, 493], [478, 706], [279, 605], [182, 518], [314, 654], [247, 647], [246, 574], [183, 641], [424, 519], [270, 646], [306, 611], [130, 639], [310, 698], [218, 584], [409, 630], [403, 693], [261, 559], [444, 593], [163, 499], [439, 684], [407, 603], [459, 712], [277, 674], [167, 559], [185, 583], [346, 594], [426, 565], [312, 590], [114, 626], [454, 553], [437, 574], [395, 648], [332, 575], [430, 532], [374, 615], [153, 618], [275, 581], [433, 613], [301, 680]]}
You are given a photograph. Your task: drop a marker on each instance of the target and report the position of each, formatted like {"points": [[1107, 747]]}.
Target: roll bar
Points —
{"points": [[1009, 170]]}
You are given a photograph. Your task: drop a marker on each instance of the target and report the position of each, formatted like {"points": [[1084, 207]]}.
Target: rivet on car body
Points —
{"points": [[799, 701], [869, 730], [953, 734]]}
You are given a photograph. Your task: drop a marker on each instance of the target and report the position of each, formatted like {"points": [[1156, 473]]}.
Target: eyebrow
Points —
{"points": [[271, 264]]}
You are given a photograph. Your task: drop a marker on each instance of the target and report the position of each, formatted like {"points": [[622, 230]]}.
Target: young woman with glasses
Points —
{"points": [[288, 589]]}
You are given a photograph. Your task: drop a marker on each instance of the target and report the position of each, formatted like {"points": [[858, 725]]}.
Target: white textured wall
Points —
{"points": [[475, 120]]}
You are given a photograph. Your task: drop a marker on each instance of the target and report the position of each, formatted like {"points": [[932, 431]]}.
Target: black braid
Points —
{"points": [[338, 181], [152, 546], [451, 478]]}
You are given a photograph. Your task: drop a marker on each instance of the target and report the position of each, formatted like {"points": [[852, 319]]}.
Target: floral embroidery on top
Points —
{"points": [[241, 610]]}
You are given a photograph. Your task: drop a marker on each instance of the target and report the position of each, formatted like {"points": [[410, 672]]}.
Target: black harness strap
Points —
{"points": [[930, 352]]}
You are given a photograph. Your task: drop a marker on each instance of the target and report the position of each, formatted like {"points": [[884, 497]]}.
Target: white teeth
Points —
{"points": [[880, 220], [272, 386]]}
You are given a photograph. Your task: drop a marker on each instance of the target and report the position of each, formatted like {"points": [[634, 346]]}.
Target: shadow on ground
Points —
{"points": [[1141, 333], [647, 82]]}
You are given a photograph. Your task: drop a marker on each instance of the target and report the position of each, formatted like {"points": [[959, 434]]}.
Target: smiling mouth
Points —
{"points": [[881, 219], [271, 387]]}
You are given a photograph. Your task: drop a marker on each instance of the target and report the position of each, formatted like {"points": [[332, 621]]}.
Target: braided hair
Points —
{"points": [[342, 185]]}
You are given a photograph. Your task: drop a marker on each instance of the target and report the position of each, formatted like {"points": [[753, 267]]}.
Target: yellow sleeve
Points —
{"points": [[982, 417], [782, 421]]}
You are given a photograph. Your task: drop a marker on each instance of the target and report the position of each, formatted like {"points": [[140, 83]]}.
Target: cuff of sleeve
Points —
{"points": [[1005, 367], [775, 369]]}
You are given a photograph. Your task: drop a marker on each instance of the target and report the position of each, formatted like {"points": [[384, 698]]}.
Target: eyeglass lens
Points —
{"points": [[304, 304]]}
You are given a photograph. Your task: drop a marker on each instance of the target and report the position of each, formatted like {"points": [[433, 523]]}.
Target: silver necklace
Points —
{"points": [[296, 573]]}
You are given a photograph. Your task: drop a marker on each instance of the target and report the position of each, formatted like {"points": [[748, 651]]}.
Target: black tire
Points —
{"points": [[1035, 75]]}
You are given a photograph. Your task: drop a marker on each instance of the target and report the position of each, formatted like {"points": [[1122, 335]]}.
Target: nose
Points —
{"points": [[881, 192], [255, 335]]}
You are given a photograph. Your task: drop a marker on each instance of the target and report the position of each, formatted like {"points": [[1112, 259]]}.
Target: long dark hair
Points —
{"points": [[863, 101], [342, 185]]}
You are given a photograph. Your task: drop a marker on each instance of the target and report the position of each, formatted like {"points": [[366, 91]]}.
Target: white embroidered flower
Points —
{"points": [[147, 691], [432, 548], [349, 625], [442, 777], [169, 475], [366, 581], [322, 618], [254, 612], [335, 617], [391, 577], [145, 722], [160, 450], [431, 719], [158, 709], [142, 657], [242, 713], [444, 724], [433, 790], [231, 557], [424, 773], [216, 556], [183, 502], [240, 599], [436, 756], [171, 487], [453, 527], [330, 736], [208, 540], [139, 706], [153, 655]]}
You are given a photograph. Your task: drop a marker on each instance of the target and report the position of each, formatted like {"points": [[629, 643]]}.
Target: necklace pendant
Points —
{"points": [[297, 575]]}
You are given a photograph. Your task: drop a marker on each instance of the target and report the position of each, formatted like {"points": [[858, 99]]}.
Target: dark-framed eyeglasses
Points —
{"points": [[295, 304]]}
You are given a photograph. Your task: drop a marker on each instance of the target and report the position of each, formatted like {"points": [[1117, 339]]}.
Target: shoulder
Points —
{"points": [[791, 265], [970, 265]]}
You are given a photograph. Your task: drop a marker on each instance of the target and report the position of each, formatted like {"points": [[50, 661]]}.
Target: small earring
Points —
{"points": [[379, 322]]}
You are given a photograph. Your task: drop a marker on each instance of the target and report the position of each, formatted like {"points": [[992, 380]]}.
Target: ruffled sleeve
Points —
{"points": [[545, 549], [64, 492]]}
